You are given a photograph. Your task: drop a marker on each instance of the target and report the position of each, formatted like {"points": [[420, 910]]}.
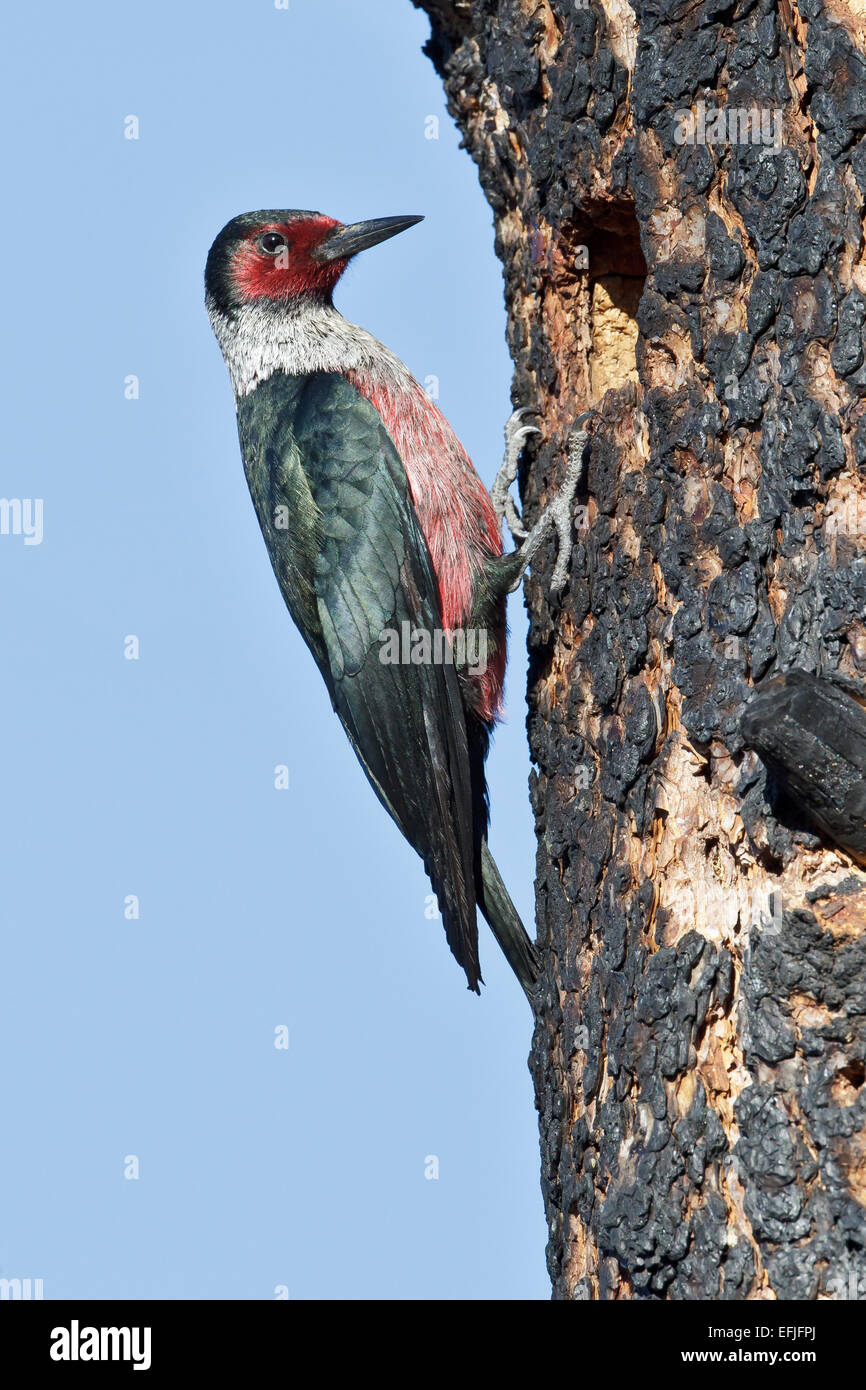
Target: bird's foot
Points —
{"points": [[503, 503], [558, 514]]}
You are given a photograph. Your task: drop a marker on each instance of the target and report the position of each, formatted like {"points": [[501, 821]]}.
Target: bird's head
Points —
{"points": [[285, 256]]}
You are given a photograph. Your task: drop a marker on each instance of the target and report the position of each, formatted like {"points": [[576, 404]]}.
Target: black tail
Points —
{"points": [[506, 925], [491, 893]]}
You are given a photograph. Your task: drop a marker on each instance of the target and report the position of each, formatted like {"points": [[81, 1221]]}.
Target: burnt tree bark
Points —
{"points": [[701, 281]]}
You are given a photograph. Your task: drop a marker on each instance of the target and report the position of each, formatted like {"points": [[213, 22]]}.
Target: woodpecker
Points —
{"points": [[376, 523]]}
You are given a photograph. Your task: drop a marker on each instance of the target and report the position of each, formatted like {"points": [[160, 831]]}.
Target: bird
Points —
{"points": [[378, 526]]}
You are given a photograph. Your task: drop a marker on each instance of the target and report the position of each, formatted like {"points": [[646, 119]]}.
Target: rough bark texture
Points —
{"points": [[699, 1057]]}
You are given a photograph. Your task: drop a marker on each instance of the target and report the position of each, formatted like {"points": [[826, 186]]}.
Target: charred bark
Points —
{"points": [[700, 1054]]}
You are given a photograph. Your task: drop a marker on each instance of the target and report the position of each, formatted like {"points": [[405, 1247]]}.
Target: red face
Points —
{"points": [[276, 260]]}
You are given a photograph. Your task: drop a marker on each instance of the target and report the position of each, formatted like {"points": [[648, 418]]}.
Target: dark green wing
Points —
{"points": [[333, 501]]}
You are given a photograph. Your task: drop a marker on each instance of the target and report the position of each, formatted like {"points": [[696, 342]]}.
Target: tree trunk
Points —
{"points": [[700, 280]]}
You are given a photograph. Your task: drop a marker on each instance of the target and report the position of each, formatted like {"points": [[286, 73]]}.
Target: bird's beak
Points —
{"points": [[344, 242]]}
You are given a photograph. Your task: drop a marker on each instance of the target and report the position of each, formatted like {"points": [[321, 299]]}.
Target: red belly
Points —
{"points": [[456, 516]]}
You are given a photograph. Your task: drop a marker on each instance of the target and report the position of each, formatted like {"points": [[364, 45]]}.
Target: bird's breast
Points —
{"points": [[452, 505]]}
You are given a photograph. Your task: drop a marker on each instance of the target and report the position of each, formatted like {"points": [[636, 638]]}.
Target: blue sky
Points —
{"points": [[259, 1167]]}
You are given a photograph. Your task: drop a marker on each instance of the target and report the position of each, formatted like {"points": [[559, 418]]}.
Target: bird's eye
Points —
{"points": [[271, 243]]}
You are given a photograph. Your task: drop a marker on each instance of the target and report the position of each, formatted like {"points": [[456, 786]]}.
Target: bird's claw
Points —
{"points": [[560, 513], [503, 503], [514, 423], [514, 520], [560, 510]]}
